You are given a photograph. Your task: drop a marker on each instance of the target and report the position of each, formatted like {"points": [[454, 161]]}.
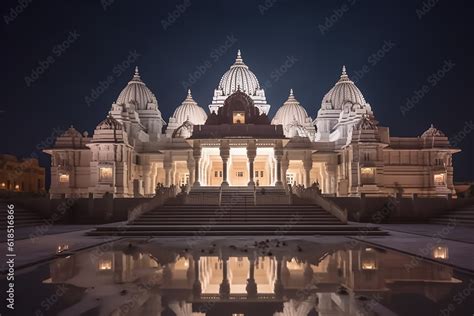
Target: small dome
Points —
{"points": [[71, 132], [290, 112], [239, 76], [344, 91], [433, 132], [190, 110], [110, 123], [137, 93]]}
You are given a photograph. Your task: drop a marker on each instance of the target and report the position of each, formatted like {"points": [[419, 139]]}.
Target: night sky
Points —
{"points": [[391, 49]]}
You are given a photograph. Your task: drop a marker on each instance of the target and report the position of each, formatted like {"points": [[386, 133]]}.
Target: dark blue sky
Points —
{"points": [[318, 36]]}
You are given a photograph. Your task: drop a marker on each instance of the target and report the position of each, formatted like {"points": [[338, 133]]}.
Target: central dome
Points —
{"points": [[344, 91], [137, 94], [239, 76]]}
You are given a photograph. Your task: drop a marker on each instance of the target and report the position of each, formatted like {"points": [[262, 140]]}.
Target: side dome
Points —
{"points": [[190, 110], [239, 76], [290, 112], [343, 92], [109, 124], [137, 94]]}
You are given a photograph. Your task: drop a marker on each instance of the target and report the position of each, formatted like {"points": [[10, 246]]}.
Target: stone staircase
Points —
{"points": [[463, 216], [237, 216], [23, 217]]}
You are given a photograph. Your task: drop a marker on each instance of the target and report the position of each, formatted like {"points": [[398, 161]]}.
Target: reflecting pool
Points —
{"points": [[236, 276]]}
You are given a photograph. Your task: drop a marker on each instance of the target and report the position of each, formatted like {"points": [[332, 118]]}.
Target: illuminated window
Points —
{"points": [[238, 118], [105, 174], [105, 265], [439, 179], [440, 252], [64, 178], [367, 175], [368, 259]]}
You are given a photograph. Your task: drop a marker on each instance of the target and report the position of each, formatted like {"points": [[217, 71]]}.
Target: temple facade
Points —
{"points": [[343, 150]]}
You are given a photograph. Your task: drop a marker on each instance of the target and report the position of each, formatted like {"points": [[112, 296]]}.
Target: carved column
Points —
{"points": [[197, 288], [167, 165], [190, 165], [147, 179], [251, 284], [224, 288], [224, 150], [197, 158], [278, 156], [278, 289], [251, 154], [307, 165], [285, 163]]}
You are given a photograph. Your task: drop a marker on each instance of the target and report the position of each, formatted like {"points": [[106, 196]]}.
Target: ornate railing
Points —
{"points": [[314, 194]]}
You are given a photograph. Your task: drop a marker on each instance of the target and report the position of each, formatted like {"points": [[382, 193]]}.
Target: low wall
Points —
{"points": [[395, 209], [81, 210]]}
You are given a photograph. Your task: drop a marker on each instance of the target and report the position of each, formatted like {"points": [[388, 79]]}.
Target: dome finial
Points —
{"points": [[189, 93], [291, 92], [344, 73], [136, 75], [239, 59]]}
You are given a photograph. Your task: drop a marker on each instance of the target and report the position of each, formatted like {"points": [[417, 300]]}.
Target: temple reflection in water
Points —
{"points": [[266, 278]]}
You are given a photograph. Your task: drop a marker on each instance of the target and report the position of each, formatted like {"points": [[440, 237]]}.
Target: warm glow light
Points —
{"points": [[105, 265], [238, 118], [62, 248], [294, 265], [64, 178], [4, 184], [439, 179], [369, 265], [17, 187], [440, 252], [105, 174], [366, 171]]}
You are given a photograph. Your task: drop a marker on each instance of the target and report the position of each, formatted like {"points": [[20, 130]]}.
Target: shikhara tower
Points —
{"points": [[344, 149]]}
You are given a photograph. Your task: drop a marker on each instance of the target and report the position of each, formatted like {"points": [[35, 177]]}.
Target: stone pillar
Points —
{"points": [[278, 288], [224, 288], [307, 165], [251, 154], [147, 179], [197, 158], [285, 163], [224, 150], [167, 165], [197, 288], [191, 166], [251, 284], [278, 156]]}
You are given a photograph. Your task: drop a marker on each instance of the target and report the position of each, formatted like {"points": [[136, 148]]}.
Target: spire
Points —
{"points": [[136, 75], [189, 93], [239, 60], [291, 92], [344, 76]]}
